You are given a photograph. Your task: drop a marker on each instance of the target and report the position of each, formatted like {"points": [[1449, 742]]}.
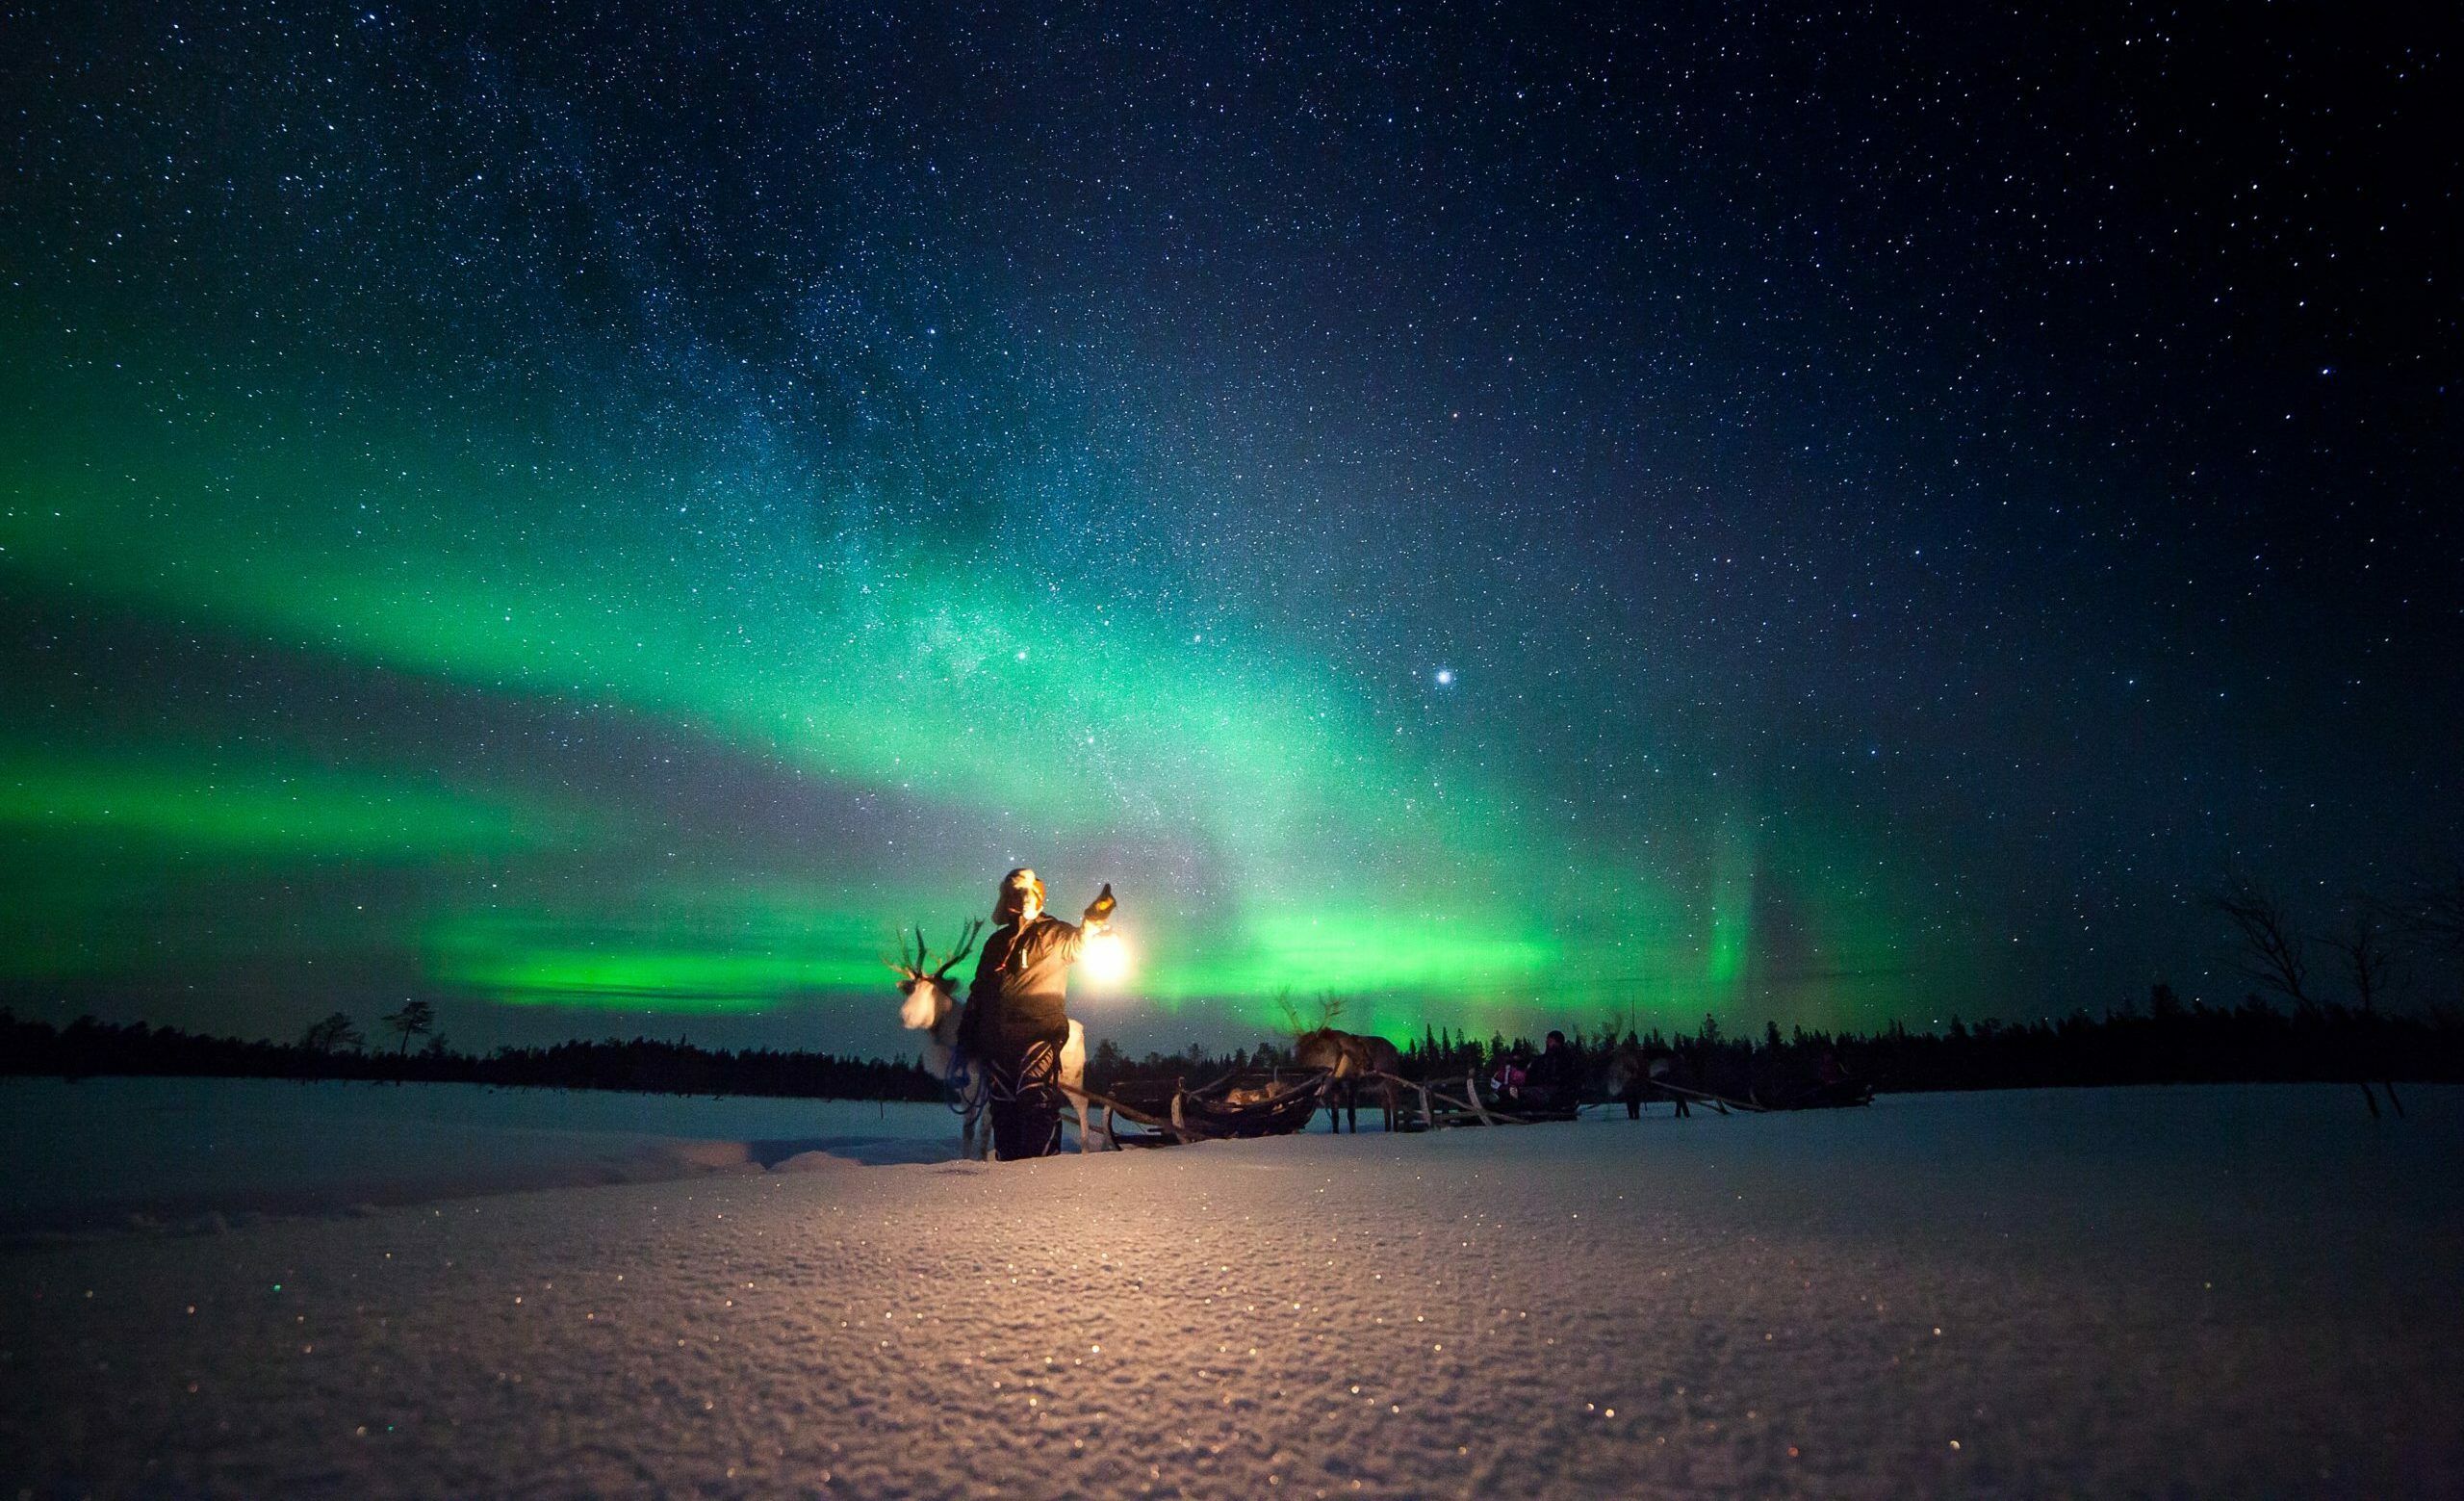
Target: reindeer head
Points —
{"points": [[927, 991], [1322, 1047]]}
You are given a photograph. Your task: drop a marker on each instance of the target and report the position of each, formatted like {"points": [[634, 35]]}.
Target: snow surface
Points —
{"points": [[170, 1152], [2217, 1291]]}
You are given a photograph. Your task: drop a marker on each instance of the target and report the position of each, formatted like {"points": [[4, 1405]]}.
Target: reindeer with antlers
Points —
{"points": [[929, 1006], [1345, 1056]]}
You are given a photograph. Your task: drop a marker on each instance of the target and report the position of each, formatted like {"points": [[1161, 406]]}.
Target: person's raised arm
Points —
{"points": [[1093, 920], [1099, 912]]}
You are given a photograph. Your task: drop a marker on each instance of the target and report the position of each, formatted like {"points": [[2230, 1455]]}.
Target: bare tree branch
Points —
{"points": [[2434, 908], [2272, 949], [2361, 943], [331, 1035]]}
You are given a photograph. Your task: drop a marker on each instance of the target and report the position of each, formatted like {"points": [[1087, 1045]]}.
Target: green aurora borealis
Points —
{"points": [[904, 719], [597, 516]]}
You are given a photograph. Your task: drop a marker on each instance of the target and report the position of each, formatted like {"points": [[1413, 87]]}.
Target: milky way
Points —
{"points": [[600, 516]]}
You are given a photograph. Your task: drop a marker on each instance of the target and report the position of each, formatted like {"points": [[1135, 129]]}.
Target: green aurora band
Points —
{"points": [[1277, 825]]}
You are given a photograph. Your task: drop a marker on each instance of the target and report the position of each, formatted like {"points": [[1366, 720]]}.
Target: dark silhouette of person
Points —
{"points": [[1674, 1067], [1551, 1083], [1016, 1012]]}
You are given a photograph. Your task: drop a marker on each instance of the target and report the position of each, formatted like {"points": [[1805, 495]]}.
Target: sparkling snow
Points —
{"points": [[2224, 1291]]}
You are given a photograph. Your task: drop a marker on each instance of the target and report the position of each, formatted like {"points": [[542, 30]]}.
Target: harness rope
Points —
{"points": [[963, 1097]]}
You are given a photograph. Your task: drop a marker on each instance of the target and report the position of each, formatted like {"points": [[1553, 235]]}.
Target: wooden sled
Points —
{"points": [[1440, 1106], [1235, 1107], [1832, 1096]]}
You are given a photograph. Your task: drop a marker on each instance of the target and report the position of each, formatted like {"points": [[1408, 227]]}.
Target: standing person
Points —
{"points": [[1017, 1016], [1553, 1081]]}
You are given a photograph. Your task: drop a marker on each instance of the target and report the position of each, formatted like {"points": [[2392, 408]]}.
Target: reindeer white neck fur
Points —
{"points": [[931, 1009]]}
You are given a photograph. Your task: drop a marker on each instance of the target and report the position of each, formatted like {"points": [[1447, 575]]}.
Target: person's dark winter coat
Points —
{"points": [[1549, 1083], [1016, 1025], [1021, 981]]}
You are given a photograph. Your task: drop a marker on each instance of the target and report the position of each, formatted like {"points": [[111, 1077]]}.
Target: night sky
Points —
{"points": [[597, 515]]}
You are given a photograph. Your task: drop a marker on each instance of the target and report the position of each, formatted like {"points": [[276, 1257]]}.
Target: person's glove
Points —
{"points": [[1100, 910]]}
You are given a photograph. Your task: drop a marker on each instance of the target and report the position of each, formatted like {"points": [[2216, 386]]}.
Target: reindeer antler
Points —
{"points": [[966, 945], [913, 969]]}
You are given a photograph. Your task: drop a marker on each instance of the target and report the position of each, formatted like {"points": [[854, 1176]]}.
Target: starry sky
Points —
{"points": [[597, 515]]}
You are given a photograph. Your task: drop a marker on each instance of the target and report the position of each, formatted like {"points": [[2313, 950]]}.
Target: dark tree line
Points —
{"points": [[2165, 1043], [2289, 1029], [2169, 1042], [330, 1049]]}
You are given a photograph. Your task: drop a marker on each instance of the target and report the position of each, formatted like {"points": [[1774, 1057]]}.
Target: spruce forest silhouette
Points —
{"points": [[2165, 1043], [330, 1049]]}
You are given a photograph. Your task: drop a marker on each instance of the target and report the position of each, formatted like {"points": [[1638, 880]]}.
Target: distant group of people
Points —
{"points": [[1549, 1082]]}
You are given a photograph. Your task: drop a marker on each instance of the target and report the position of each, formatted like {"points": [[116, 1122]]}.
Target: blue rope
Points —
{"points": [[959, 1093]]}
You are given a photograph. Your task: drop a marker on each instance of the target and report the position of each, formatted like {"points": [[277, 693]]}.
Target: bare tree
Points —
{"points": [[331, 1035], [416, 1018], [2273, 954], [2272, 948]]}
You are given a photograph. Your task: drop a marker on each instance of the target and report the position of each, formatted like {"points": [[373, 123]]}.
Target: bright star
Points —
{"points": [[1446, 677]]}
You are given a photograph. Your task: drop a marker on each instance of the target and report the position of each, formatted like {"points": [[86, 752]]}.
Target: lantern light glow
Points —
{"points": [[1106, 959]]}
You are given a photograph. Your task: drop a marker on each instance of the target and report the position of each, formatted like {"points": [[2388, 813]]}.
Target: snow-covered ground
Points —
{"points": [[2225, 1291], [173, 1152]]}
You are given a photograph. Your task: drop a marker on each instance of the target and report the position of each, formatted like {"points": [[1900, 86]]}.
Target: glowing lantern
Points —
{"points": [[1106, 959]]}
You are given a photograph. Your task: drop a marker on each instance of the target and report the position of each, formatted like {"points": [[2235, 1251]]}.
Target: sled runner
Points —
{"points": [[1827, 1097]]}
